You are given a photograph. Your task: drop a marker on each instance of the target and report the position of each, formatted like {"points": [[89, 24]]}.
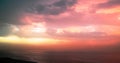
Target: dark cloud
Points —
{"points": [[52, 7], [5, 29], [110, 3], [11, 10]]}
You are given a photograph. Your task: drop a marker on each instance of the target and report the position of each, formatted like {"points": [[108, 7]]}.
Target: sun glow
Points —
{"points": [[33, 41], [66, 42], [38, 30]]}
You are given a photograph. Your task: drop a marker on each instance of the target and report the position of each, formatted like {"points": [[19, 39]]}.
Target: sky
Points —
{"points": [[64, 19]]}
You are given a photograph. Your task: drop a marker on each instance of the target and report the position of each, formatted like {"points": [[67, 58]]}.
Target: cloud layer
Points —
{"points": [[52, 7], [109, 4]]}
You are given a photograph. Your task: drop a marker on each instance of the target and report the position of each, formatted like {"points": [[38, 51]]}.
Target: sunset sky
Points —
{"points": [[62, 20]]}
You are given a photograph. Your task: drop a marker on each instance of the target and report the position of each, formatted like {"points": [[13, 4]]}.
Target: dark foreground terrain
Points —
{"points": [[10, 60]]}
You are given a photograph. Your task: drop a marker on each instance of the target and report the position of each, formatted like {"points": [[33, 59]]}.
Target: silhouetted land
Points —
{"points": [[10, 60]]}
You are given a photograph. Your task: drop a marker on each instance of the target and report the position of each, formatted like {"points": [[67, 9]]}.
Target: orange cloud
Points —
{"points": [[109, 10]]}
